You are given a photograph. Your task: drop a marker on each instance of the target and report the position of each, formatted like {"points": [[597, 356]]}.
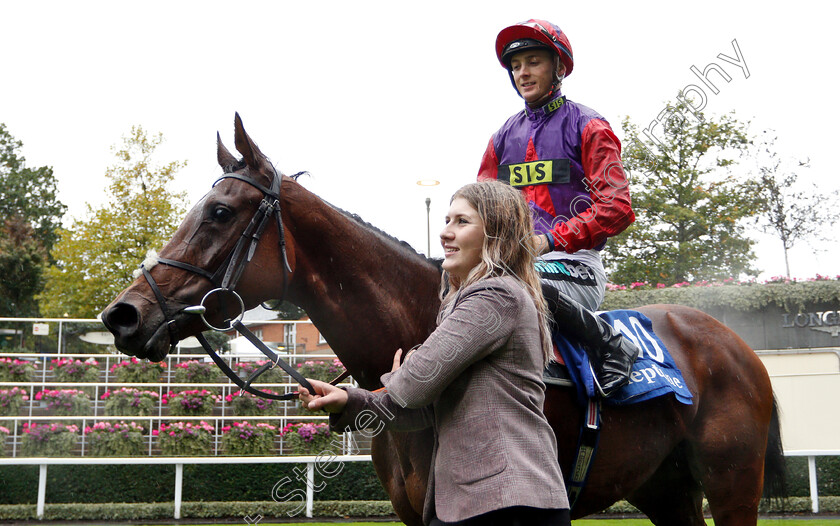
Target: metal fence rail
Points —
{"points": [[311, 463], [798, 386]]}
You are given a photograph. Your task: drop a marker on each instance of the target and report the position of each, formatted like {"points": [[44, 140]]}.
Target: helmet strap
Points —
{"points": [[558, 77]]}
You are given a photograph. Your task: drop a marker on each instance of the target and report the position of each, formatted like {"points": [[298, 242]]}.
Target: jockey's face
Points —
{"points": [[533, 72], [462, 239]]}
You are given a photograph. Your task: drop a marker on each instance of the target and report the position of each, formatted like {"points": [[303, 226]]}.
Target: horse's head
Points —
{"points": [[227, 242]]}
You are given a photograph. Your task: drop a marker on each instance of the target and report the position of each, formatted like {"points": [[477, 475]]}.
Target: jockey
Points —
{"points": [[566, 160]]}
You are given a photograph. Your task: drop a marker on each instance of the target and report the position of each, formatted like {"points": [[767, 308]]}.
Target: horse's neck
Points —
{"points": [[366, 294]]}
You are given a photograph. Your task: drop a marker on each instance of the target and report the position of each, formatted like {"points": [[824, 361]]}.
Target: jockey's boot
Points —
{"points": [[610, 353]]}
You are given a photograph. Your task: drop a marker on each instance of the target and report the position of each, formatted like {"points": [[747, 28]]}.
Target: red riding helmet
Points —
{"points": [[534, 34]]}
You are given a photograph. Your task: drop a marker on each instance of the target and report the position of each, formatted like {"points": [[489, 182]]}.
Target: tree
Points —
{"points": [[22, 261], [689, 202], [30, 215], [286, 310], [789, 213], [96, 256]]}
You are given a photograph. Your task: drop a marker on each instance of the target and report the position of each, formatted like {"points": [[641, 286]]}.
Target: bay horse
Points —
{"points": [[370, 294]]}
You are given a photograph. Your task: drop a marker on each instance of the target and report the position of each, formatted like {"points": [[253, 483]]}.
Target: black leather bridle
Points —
{"points": [[225, 279]]}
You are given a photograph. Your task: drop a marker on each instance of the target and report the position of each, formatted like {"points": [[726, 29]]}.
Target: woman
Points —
{"points": [[478, 377]]}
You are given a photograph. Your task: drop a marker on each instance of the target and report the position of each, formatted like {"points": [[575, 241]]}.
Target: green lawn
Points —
{"points": [[581, 522], [761, 522], [605, 522]]}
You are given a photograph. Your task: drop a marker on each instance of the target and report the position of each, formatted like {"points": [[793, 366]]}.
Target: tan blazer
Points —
{"points": [[478, 380]]}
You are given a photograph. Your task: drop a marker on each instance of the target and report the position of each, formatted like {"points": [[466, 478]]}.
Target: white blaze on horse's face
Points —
{"points": [[462, 239]]}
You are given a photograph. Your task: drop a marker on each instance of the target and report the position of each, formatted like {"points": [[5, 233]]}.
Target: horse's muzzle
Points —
{"points": [[124, 321]]}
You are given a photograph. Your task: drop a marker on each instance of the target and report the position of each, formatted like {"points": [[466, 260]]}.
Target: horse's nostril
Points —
{"points": [[122, 319]]}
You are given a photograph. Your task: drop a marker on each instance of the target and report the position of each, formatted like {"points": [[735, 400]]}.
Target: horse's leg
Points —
{"points": [[734, 405], [731, 454], [673, 495], [405, 485]]}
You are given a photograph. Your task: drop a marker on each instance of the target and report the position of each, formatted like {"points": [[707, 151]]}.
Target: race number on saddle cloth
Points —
{"points": [[654, 371]]}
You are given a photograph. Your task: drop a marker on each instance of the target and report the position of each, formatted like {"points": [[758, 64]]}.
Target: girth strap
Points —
{"points": [[587, 445]]}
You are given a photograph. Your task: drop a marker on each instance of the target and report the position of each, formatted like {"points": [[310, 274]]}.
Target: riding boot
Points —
{"points": [[610, 353]]}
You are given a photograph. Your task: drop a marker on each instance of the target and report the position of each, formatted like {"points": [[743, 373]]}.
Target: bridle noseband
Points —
{"points": [[225, 279]]}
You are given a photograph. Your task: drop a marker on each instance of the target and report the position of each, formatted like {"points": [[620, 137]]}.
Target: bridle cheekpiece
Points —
{"points": [[225, 280]]}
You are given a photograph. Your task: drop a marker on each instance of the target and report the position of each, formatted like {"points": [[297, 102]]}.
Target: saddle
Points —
{"points": [[654, 372]]}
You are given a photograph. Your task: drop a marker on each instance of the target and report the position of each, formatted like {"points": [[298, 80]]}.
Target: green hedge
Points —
{"points": [[789, 505], [202, 482], [194, 510], [828, 476], [254, 482], [239, 510], [793, 296]]}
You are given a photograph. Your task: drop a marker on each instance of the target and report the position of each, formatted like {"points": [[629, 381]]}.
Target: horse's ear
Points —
{"points": [[226, 159], [254, 158]]}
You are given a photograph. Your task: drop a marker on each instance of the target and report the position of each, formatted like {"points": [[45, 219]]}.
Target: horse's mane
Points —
{"points": [[436, 262]]}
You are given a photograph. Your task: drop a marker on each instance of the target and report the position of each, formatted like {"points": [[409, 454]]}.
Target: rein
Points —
{"points": [[225, 279]]}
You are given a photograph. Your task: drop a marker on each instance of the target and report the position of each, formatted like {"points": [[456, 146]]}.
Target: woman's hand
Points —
{"points": [[541, 245], [327, 397], [396, 364]]}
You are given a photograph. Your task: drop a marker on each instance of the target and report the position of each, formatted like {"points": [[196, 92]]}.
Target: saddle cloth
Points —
{"points": [[654, 372]]}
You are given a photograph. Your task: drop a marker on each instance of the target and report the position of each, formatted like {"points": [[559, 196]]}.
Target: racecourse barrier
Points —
{"points": [[313, 464], [805, 381]]}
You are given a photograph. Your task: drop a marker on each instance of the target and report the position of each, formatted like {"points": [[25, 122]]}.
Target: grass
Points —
{"points": [[761, 522], [581, 522]]}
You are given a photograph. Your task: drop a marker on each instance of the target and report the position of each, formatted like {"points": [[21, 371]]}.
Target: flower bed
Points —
{"points": [[65, 402], [275, 375], [196, 402], [14, 370], [195, 372], [68, 370], [11, 400], [243, 438], [49, 440], [307, 439], [741, 296], [136, 371], [246, 404], [187, 439], [129, 401], [320, 369], [106, 439]]}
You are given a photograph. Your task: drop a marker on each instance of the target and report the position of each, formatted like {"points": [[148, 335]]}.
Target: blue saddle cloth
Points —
{"points": [[654, 372]]}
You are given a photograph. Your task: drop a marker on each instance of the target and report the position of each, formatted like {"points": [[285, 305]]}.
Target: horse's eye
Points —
{"points": [[221, 214]]}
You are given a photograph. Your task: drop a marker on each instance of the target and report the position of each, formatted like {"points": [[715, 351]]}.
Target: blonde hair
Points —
{"points": [[508, 248]]}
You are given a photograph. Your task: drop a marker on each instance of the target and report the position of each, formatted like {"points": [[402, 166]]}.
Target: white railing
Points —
{"points": [[310, 461], [283, 412], [812, 472], [43, 378], [785, 382]]}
